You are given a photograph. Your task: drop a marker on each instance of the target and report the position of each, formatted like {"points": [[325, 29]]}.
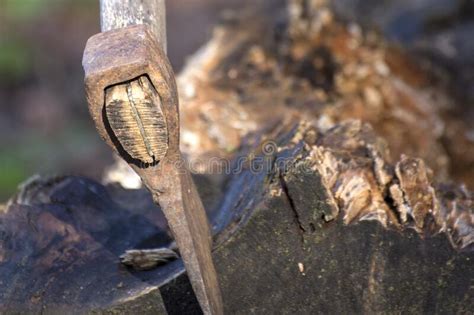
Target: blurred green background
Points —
{"points": [[44, 124], [43, 116]]}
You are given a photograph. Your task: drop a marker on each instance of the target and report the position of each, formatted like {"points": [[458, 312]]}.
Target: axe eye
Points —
{"points": [[135, 115]]}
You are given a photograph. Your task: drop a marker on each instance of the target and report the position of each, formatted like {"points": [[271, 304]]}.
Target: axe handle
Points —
{"points": [[121, 13]]}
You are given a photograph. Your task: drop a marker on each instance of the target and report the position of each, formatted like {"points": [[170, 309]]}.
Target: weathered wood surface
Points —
{"points": [[324, 216], [121, 13], [278, 252], [72, 227], [134, 113]]}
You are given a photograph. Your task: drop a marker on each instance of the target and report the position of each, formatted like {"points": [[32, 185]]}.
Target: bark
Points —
{"points": [[339, 199]]}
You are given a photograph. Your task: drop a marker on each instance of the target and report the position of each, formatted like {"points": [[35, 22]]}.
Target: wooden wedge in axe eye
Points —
{"points": [[133, 101]]}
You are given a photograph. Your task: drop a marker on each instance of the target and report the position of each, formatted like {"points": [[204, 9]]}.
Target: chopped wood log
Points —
{"points": [[319, 152]]}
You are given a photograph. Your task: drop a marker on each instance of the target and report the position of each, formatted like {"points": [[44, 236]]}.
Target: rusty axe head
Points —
{"points": [[133, 100]]}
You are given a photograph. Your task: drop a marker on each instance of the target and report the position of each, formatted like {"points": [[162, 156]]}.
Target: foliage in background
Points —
{"points": [[41, 76]]}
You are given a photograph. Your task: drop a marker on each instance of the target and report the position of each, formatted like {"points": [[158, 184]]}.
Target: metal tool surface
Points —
{"points": [[133, 101]]}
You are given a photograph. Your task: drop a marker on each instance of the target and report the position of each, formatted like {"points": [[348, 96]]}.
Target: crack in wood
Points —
{"points": [[135, 115], [296, 215]]}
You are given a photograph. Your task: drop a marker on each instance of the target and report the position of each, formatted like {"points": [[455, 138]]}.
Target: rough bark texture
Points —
{"points": [[342, 198]]}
